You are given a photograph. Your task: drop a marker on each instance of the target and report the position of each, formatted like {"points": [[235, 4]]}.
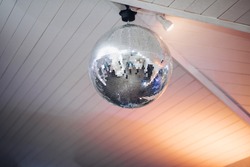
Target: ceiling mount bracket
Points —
{"points": [[127, 15]]}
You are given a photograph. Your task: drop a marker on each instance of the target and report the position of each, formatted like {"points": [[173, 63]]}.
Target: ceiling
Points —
{"points": [[50, 115]]}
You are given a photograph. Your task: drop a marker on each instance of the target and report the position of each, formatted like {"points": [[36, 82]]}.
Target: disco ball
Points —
{"points": [[130, 66]]}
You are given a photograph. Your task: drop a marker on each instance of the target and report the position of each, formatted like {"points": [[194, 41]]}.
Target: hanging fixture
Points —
{"points": [[130, 65], [167, 24]]}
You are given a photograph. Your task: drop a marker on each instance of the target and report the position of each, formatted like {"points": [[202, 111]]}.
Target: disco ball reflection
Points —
{"points": [[130, 66]]}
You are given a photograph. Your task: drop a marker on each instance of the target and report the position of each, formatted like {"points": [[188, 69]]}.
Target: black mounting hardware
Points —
{"points": [[127, 15]]}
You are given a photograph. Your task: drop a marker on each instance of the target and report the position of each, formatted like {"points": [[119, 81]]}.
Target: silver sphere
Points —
{"points": [[130, 66]]}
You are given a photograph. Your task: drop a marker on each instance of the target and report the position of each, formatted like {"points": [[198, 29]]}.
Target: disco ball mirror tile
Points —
{"points": [[130, 66]]}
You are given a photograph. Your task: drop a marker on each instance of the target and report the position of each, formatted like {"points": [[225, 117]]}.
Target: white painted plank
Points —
{"points": [[218, 8], [161, 142], [163, 2], [67, 143], [180, 4], [149, 122], [27, 47], [177, 82], [191, 118], [167, 97], [233, 152], [52, 93], [247, 107], [221, 65], [171, 103], [84, 106], [159, 104], [183, 14], [199, 6], [47, 128], [209, 39], [78, 17], [196, 145], [10, 27], [232, 145], [236, 89], [27, 67], [25, 51], [10, 60], [160, 120], [84, 96], [243, 152], [242, 99], [188, 114], [148, 0], [210, 85], [245, 18], [33, 103], [154, 129], [5, 10], [223, 56], [49, 66], [70, 140], [242, 162], [226, 144], [227, 77], [236, 11], [105, 24], [196, 51]]}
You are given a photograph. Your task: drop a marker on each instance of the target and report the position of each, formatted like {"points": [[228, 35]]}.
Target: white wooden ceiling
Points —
{"points": [[231, 10], [228, 13], [50, 115]]}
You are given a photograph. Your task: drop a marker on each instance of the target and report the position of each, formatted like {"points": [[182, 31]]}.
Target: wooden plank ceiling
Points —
{"points": [[231, 10], [50, 115], [233, 14]]}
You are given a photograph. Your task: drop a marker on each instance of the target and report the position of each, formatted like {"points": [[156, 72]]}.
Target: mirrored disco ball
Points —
{"points": [[130, 66]]}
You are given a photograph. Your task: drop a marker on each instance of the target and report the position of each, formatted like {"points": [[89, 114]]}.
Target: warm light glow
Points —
{"points": [[171, 27], [167, 24]]}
